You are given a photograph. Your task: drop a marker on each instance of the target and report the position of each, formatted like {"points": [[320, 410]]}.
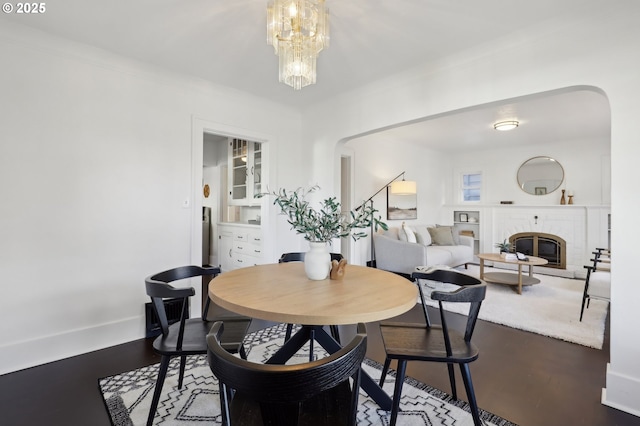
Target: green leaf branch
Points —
{"points": [[329, 221]]}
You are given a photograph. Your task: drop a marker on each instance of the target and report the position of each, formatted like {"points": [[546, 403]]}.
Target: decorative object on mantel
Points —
{"points": [[206, 190], [570, 195], [504, 246], [562, 199], [319, 227], [338, 269]]}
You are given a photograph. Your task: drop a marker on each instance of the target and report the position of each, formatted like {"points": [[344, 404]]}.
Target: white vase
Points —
{"points": [[317, 261]]}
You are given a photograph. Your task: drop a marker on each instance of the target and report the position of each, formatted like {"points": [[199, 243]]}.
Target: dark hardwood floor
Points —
{"points": [[526, 378]]}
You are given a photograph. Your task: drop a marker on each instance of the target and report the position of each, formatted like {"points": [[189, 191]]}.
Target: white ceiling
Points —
{"points": [[224, 42], [562, 116]]}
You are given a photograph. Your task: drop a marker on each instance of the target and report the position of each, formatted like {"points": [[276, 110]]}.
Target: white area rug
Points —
{"points": [[128, 395], [550, 308]]}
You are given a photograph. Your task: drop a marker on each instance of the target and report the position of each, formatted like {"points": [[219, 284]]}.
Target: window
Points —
{"points": [[471, 186]]}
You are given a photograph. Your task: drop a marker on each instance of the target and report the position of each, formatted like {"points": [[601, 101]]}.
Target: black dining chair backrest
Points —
{"points": [[269, 394], [188, 336], [436, 342], [299, 257]]}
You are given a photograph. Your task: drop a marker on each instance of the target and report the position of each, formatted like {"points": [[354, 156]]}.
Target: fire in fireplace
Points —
{"points": [[547, 246]]}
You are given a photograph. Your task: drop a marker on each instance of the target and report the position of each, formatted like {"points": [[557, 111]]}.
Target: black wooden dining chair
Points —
{"points": [[188, 336], [597, 284], [322, 392], [299, 257], [436, 343], [601, 259]]}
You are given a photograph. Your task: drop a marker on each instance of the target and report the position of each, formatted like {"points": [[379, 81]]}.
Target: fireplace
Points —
{"points": [[547, 246]]}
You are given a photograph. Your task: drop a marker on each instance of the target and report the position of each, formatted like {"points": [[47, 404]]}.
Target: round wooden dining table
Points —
{"points": [[282, 292]]}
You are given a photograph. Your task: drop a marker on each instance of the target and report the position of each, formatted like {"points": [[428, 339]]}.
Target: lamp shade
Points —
{"points": [[403, 187]]}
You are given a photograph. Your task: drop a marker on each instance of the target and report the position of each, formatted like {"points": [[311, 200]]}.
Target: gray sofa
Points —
{"points": [[396, 251]]}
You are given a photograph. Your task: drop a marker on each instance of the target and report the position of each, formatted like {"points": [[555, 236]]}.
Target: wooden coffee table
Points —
{"points": [[508, 278]]}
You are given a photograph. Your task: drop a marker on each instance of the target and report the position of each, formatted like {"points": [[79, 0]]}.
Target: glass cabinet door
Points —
{"points": [[256, 169], [245, 171], [239, 150]]}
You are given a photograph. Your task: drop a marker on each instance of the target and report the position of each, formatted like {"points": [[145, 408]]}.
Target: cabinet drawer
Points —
{"points": [[247, 249], [242, 261], [255, 238], [240, 247], [240, 236]]}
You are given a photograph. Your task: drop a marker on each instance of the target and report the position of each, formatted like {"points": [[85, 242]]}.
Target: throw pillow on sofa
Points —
{"points": [[442, 236], [456, 237], [410, 234], [423, 236]]}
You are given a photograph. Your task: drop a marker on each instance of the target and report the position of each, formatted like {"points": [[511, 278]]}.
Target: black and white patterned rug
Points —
{"points": [[128, 395]]}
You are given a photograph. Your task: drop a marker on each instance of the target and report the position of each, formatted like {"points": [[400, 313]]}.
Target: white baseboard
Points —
{"points": [[621, 392], [30, 353]]}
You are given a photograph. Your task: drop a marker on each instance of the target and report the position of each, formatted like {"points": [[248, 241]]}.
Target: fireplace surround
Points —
{"points": [[546, 246]]}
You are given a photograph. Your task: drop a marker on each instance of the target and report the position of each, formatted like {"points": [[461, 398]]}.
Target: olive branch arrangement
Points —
{"points": [[329, 221]]}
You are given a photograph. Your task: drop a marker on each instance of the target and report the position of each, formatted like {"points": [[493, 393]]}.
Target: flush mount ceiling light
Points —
{"points": [[506, 125], [298, 30]]}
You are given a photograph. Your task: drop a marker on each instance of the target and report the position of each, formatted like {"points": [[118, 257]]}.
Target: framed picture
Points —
{"points": [[464, 217], [541, 190], [401, 207]]}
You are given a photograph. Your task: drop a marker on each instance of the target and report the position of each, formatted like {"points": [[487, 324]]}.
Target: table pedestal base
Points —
{"points": [[311, 333]]}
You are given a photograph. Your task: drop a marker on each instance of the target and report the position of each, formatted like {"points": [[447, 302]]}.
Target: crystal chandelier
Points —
{"points": [[298, 30]]}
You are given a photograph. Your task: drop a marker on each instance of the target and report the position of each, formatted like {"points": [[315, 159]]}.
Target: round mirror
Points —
{"points": [[540, 175]]}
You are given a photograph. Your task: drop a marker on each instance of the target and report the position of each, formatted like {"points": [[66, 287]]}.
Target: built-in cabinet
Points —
{"points": [[239, 246], [467, 222], [245, 171]]}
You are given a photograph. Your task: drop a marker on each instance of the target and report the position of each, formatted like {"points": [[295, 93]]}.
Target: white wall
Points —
{"points": [[600, 52], [437, 173], [585, 173], [377, 162], [95, 166]]}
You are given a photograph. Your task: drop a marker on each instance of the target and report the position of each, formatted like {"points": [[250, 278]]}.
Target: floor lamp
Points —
{"points": [[398, 187]]}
